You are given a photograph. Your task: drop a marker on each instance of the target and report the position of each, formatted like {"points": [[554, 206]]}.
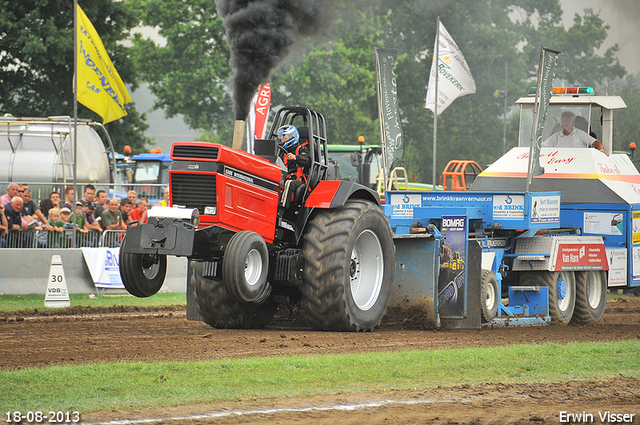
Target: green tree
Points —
{"points": [[626, 128], [579, 63], [36, 60], [337, 77], [334, 72], [332, 83], [471, 128], [188, 71]]}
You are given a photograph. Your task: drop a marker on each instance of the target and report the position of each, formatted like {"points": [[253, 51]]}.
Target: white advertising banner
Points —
{"points": [[636, 262], [545, 209], [603, 223], [508, 207], [404, 204], [104, 266], [617, 258]]}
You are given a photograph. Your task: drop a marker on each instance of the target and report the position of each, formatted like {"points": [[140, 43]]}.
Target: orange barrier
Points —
{"points": [[459, 174]]}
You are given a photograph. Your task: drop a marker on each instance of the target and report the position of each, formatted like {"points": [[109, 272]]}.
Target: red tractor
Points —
{"points": [[330, 251]]}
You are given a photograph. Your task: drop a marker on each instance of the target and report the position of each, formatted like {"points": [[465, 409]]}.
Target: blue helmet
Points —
{"points": [[288, 136]]}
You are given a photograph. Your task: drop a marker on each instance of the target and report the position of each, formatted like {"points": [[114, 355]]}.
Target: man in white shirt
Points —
{"points": [[570, 136]]}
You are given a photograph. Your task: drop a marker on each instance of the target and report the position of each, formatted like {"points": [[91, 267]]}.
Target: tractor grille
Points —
{"points": [[194, 191], [200, 152]]}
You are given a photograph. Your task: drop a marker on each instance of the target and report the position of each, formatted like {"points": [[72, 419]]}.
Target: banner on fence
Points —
{"points": [[104, 266]]}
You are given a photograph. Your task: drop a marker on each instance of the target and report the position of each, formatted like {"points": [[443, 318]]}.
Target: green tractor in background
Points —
{"points": [[363, 164]]}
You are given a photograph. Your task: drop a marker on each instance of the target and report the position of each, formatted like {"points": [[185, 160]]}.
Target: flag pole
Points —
{"points": [[383, 140], [75, 118], [536, 112], [436, 58], [250, 129], [546, 74]]}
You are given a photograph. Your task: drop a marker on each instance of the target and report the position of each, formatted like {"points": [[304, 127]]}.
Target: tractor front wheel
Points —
{"points": [[349, 263], [245, 267], [142, 274], [220, 310]]}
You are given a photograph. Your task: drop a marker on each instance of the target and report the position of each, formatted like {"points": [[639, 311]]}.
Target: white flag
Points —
{"points": [[454, 79]]}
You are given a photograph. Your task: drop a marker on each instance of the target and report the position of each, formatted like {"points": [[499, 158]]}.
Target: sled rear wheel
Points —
{"points": [[490, 296], [591, 296], [562, 292]]}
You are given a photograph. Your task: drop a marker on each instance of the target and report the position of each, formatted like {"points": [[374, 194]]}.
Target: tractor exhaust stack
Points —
{"points": [[238, 134]]}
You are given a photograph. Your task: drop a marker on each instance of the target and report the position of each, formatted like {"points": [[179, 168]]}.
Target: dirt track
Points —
{"points": [[164, 334]]}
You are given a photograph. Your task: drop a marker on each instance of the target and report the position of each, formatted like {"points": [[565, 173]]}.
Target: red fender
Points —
{"points": [[335, 193]]}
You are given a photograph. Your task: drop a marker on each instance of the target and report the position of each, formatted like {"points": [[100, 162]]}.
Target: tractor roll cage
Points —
{"points": [[313, 123]]}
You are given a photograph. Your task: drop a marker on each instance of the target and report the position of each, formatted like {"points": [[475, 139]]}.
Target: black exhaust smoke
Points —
{"points": [[259, 34]]}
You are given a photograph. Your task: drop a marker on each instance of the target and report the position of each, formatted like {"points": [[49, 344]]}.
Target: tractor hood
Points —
{"points": [[582, 175]]}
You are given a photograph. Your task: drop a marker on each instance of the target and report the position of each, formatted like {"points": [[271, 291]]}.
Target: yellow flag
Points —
{"points": [[100, 88]]}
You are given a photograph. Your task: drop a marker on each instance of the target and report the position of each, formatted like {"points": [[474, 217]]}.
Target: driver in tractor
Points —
{"points": [[294, 153], [570, 136]]}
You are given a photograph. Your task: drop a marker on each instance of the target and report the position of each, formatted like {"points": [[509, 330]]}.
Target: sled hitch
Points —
{"points": [[171, 236]]}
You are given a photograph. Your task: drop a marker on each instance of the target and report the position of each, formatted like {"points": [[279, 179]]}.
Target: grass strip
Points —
{"points": [[36, 301], [137, 385]]}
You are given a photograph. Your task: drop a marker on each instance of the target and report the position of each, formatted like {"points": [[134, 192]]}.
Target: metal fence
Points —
{"points": [[40, 190], [52, 239]]}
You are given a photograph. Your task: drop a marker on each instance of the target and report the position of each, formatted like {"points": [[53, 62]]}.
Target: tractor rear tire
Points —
{"points": [[562, 292], [490, 296], [591, 297], [349, 263], [245, 267], [141, 275], [220, 310]]}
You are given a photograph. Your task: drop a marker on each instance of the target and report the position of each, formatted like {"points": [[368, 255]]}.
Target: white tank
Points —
{"points": [[40, 150]]}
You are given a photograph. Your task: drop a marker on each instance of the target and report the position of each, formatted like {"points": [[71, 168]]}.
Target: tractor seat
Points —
{"points": [[303, 132]]}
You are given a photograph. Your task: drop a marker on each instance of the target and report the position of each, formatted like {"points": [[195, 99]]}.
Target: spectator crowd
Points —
{"points": [[52, 222]]}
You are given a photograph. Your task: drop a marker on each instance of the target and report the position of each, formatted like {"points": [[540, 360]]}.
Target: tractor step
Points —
{"points": [[535, 289], [528, 305]]}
